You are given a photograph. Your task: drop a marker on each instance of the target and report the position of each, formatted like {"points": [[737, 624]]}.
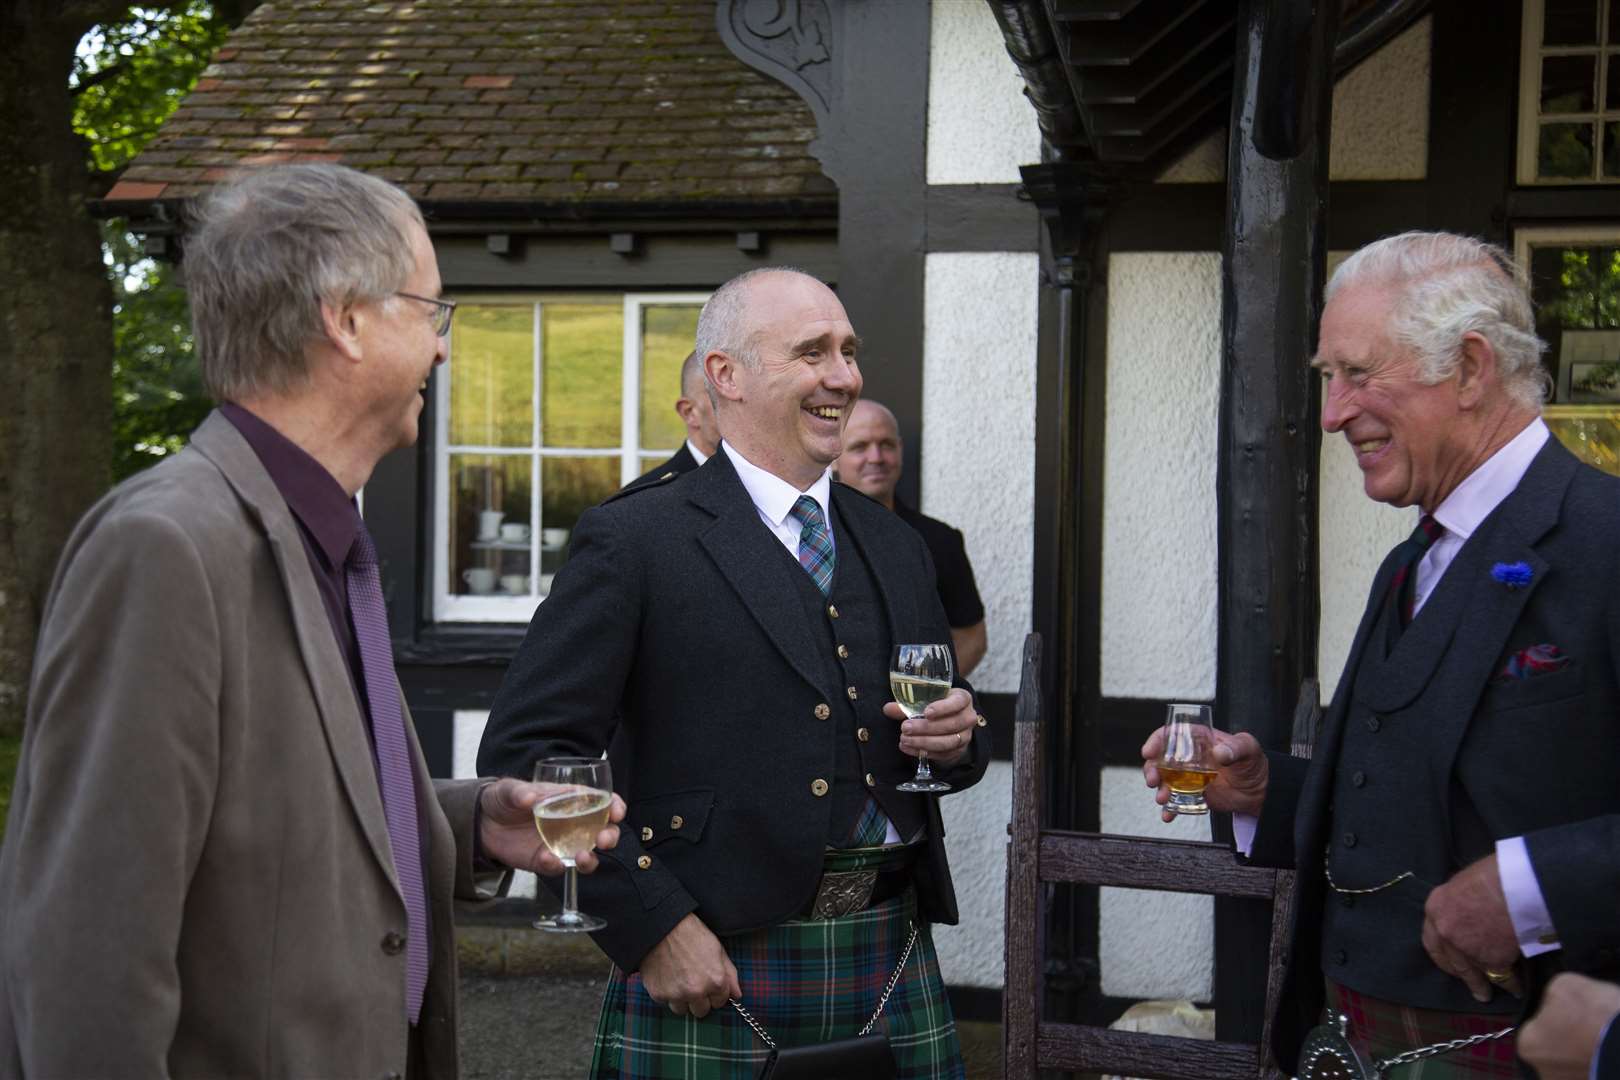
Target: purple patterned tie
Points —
{"points": [[393, 756]]}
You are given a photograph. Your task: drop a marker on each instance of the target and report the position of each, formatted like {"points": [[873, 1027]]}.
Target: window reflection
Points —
{"points": [[582, 363], [492, 376]]}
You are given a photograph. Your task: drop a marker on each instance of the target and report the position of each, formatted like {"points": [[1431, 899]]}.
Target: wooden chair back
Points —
{"points": [[1037, 857]]}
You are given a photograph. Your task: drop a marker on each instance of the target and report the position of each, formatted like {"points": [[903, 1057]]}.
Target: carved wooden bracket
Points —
{"points": [[789, 40]]}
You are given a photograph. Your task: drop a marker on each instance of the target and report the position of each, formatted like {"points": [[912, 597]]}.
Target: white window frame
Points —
{"points": [[452, 607], [1530, 57]]}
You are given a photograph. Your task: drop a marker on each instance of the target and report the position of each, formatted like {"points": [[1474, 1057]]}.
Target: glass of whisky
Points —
{"points": [[1187, 765]]}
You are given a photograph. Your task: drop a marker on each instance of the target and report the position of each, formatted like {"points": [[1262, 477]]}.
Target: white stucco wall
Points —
{"points": [[1159, 505], [978, 432], [1151, 944], [972, 952], [980, 127], [1380, 119]]}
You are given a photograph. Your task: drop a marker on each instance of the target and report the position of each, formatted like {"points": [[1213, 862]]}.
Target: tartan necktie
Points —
{"points": [[1411, 552], [364, 586], [815, 544]]}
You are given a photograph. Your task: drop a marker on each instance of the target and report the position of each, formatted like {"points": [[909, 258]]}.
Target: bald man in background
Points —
{"points": [[870, 464], [697, 413]]}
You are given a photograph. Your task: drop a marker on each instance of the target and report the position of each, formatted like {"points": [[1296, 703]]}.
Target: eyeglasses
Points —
{"points": [[442, 311]]}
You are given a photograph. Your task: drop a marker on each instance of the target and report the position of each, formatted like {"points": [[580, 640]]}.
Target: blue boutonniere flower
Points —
{"points": [[1512, 574]]}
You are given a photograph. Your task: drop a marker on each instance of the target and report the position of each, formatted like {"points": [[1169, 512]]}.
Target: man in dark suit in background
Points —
{"points": [[727, 635], [1453, 830], [697, 413], [870, 463]]}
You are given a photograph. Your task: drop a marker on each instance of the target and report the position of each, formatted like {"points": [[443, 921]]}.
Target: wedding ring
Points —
{"points": [[961, 739], [1498, 977]]}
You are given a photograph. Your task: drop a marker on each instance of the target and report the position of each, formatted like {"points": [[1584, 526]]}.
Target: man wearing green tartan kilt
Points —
{"points": [[725, 637]]}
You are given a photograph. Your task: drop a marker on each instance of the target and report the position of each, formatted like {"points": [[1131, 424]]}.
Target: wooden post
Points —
{"points": [[1275, 253]]}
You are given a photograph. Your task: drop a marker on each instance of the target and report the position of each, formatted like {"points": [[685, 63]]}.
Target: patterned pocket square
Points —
{"points": [[1529, 662]]}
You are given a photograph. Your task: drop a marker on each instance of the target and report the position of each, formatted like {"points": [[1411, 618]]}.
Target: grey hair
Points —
{"points": [[723, 325], [267, 249], [1448, 286]]}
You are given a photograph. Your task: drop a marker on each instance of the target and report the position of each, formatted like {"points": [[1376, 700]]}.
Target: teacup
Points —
{"points": [[516, 584], [514, 532], [489, 523], [479, 579], [554, 538]]}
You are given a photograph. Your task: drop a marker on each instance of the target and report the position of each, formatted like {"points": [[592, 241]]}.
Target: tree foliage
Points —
{"points": [[128, 77]]}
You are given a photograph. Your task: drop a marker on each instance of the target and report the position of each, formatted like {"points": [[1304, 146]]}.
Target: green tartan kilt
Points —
{"points": [[805, 981]]}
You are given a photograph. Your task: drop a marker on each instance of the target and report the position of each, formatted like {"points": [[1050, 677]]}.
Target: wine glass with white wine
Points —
{"points": [[918, 676], [568, 821]]}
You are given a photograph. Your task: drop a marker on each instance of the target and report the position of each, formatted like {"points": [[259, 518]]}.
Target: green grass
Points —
{"points": [[10, 747]]}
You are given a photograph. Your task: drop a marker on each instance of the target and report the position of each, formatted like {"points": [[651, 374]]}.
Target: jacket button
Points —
{"points": [[852, 692], [393, 943], [645, 862], [818, 788], [1374, 722], [843, 652], [677, 821], [981, 721], [863, 735], [871, 781], [823, 711], [1340, 956], [832, 610], [1358, 778], [646, 833], [1349, 839]]}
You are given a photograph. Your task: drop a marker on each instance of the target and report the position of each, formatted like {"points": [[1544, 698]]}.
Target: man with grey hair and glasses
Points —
{"points": [[1454, 830], [224, 855]]}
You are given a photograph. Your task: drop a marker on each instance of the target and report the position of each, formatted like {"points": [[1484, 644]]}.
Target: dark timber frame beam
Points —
{"points": [[1275, 254]]}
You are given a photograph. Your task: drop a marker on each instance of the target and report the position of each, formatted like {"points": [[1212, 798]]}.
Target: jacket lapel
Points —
{"points": [[1468, 596], [887, 563], [755, 564], [219, 441]]}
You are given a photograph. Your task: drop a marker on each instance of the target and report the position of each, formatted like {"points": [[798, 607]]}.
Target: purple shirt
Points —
{"points": [[327, 522]]}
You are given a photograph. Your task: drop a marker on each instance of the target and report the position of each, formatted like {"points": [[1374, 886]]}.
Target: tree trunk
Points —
{"points": [[55, 327]]}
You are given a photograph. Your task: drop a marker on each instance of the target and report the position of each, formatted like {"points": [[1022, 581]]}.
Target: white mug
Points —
{"points": [[480, 579], [489, 523], [516, 584], [514, 532]]}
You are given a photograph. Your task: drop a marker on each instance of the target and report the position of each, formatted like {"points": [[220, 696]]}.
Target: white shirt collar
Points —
{"points": [[697, 455], [774, 497], [1482, 490]]}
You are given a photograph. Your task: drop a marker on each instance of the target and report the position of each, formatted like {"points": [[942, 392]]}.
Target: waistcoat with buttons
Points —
{"points": [[862, 629], [1387, 818]]}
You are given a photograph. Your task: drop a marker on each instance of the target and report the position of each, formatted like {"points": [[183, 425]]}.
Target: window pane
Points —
{"points": [[489, 524], [492, 375], [582, 352], [648, 461], [1565, 151], [1614, 22], [568, 487], [667, 334], [1611, 151], [1612, 98], [1570, 22], [1566, 83]]}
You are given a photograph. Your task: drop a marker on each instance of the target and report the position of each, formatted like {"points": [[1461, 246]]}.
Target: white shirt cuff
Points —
{"points": [[1531, 922], [1243, 829]]}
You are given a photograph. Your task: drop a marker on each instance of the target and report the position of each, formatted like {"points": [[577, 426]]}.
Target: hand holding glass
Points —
{"points": [[918, 676], [568, 821], [1187, 764]]}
